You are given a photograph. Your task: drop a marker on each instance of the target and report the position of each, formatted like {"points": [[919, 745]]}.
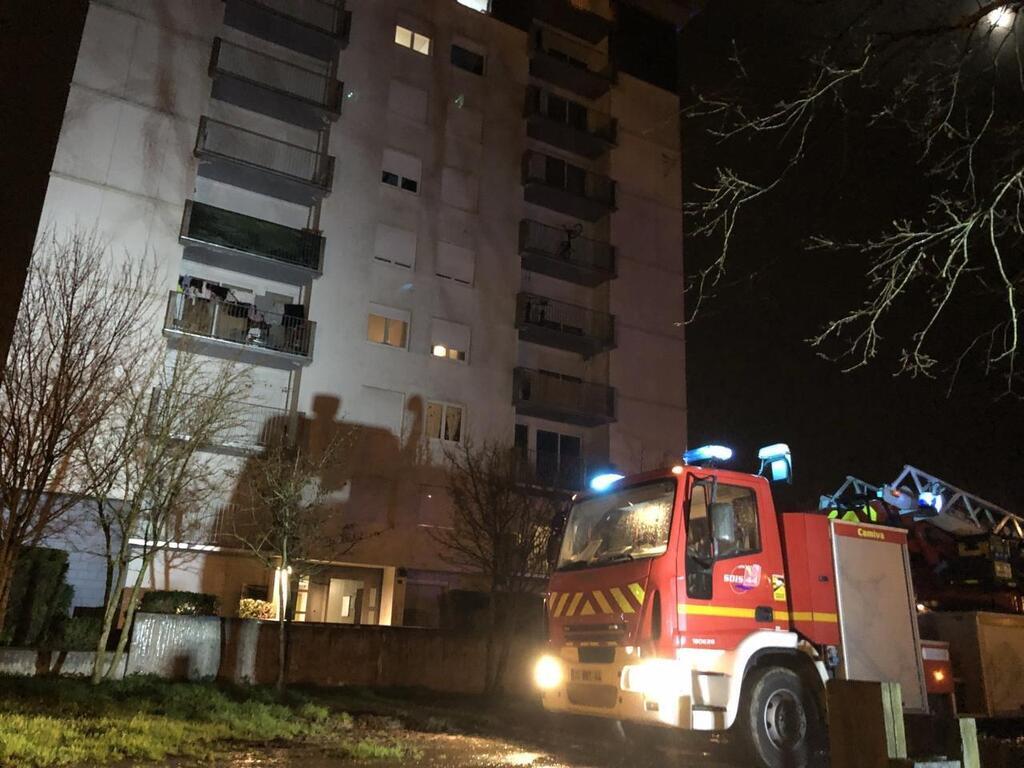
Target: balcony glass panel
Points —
{"points": [[322, 14], [564, 253], [219, 227], [596, 192], [554, 397], [238, 323], [256, 149], [565, 326], [300, 82]]}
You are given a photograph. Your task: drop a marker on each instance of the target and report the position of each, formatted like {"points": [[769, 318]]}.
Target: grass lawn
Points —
{"points": [[64, 721]]}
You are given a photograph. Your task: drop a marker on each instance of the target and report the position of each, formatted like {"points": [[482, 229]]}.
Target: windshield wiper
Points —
{"points": [[615, 557], [574, 566]]}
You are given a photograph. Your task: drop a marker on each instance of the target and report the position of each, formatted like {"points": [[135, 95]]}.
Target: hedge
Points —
{"points": [[179, 602]]}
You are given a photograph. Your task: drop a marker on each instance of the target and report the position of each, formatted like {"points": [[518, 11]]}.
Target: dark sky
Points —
{"points": [[752, 379]]}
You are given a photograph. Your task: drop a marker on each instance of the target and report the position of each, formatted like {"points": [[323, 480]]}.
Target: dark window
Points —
{"points": [[389, 178], [577, 116], [558, 459], [410, 185], [522, 440], [557, 108], [467, 60]]}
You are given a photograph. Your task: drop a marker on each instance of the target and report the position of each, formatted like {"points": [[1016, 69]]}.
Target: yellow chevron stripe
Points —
{"points": [[602, 601], [620, 598], [561, 604], [587, 609], [552, 600], [637, 591], [575, 602]]}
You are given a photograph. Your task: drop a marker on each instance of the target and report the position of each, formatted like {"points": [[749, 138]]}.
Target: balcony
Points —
{"points": [[245, 244], [567, 188], [317, 28], [592, 24], [262, 164], [570, 401], [564, 326], [567, 63], [274, 87], [240, 331], [568, 125], [564, 254]]}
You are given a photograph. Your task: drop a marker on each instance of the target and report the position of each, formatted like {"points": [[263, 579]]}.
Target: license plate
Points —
{"points": [[585, 675]]}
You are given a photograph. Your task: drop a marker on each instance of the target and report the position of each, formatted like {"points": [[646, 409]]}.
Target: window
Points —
{"points": [[401, 170], [725, 528], [449, 340], [444, 422], [406, 38], [395, 245], [476, 5], [463, 58], [388, 326], [558, 460], [455, 263]]}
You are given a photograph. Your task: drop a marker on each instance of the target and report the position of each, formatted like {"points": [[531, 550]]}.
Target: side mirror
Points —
{"points": [[723, 523], [557, 530]]}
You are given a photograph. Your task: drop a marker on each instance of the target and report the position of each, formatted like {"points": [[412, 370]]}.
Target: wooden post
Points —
{"points": [[865, 722]]}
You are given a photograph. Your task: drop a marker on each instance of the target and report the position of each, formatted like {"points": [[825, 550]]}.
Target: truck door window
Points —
{"points": [[747, 536], [699, 546]]}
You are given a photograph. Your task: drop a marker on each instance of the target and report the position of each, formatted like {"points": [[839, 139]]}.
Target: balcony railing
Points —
{"points": [[564, 326], [565, 254], [273, 86], [247, 244], [318, 28], [556, 398], [589, 20], [262, 164], [244, 327], [548, 469], [570, 64], [568, 125], [567, 188]]}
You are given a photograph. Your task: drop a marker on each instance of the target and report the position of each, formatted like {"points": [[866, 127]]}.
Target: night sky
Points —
{"points": [[753, 380]]}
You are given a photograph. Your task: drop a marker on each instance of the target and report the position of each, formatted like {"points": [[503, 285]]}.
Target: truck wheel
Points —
{"points": [[780, 720]]}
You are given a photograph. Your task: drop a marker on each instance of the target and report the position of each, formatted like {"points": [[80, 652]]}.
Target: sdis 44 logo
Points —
{"points": [[744, 578]]}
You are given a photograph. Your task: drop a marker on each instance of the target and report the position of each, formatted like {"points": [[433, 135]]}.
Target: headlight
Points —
{"points": [[548, 673]]}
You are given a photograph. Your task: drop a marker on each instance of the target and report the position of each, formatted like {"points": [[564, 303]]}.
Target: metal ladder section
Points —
{"points": [[961, 512]]}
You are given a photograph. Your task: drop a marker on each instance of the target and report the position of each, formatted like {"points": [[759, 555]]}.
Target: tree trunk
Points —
{"points": [[8, 557], [129, 615], [110, 606], [505, 642], [492, 632], [281, 644]]}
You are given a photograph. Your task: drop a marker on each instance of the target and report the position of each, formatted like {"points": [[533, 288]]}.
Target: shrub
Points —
{"points": [[180, 603], [79, 633], [249, 608], [40, 597]]}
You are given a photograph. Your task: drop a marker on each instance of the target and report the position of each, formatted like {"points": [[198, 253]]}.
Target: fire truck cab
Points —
{"points": [[681, 598]]}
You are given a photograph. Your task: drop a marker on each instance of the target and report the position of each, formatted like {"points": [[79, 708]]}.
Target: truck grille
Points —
{"points": [[597, 654]]}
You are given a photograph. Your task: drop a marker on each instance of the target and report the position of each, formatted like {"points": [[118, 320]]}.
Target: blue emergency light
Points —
{"points": [[707, 453], [604, 481], [929, 499]]}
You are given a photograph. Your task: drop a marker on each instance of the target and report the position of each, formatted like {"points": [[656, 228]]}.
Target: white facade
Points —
{"points": [[422, 303]]}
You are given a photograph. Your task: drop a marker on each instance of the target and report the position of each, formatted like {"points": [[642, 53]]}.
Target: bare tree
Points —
{"points": [[71, 354], [499, 530], [154, 482], [287, 517], [944, 82]]}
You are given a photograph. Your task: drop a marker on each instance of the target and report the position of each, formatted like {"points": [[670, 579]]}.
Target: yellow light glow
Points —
{"points": [[677, 469], [548, 673], [938, 675], [440, 350]]}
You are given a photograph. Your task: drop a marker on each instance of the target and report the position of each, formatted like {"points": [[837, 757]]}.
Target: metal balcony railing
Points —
{"points": [[565, 326], [570, 64], [569, 125], [589, 20], [239, 324], [245, 158], [565, 254], [564, 399], [317, 28], [315, 87], [567, 188], [216, 231]]}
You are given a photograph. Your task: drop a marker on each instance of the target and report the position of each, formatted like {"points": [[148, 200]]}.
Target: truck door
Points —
{"points": [[731, 577]]}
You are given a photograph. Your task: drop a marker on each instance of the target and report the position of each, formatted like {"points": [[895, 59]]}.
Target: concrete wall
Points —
{"points": [[176, 647], [29, 662]]}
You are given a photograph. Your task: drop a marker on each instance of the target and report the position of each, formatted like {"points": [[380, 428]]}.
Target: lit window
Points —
{"points": [[449, 340], [444, 422], [406, 38], [390, 331]]}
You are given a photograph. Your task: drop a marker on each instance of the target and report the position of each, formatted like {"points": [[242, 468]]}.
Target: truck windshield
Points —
{"points": [[624, 524]]}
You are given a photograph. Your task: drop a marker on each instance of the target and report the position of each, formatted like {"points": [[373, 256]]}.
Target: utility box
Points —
{"points": [[987, 651]]}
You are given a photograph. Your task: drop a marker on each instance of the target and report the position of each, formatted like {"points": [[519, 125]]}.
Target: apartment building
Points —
{"points": [[431, 221]]}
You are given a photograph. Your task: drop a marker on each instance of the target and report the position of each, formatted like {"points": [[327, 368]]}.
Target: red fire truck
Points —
{"points": [[682, 598]]}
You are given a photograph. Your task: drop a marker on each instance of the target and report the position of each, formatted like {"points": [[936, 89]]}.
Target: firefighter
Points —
{"points": [[864, 511]]}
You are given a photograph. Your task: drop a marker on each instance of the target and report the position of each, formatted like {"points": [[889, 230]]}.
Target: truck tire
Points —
{"points": [[779, 720]]}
